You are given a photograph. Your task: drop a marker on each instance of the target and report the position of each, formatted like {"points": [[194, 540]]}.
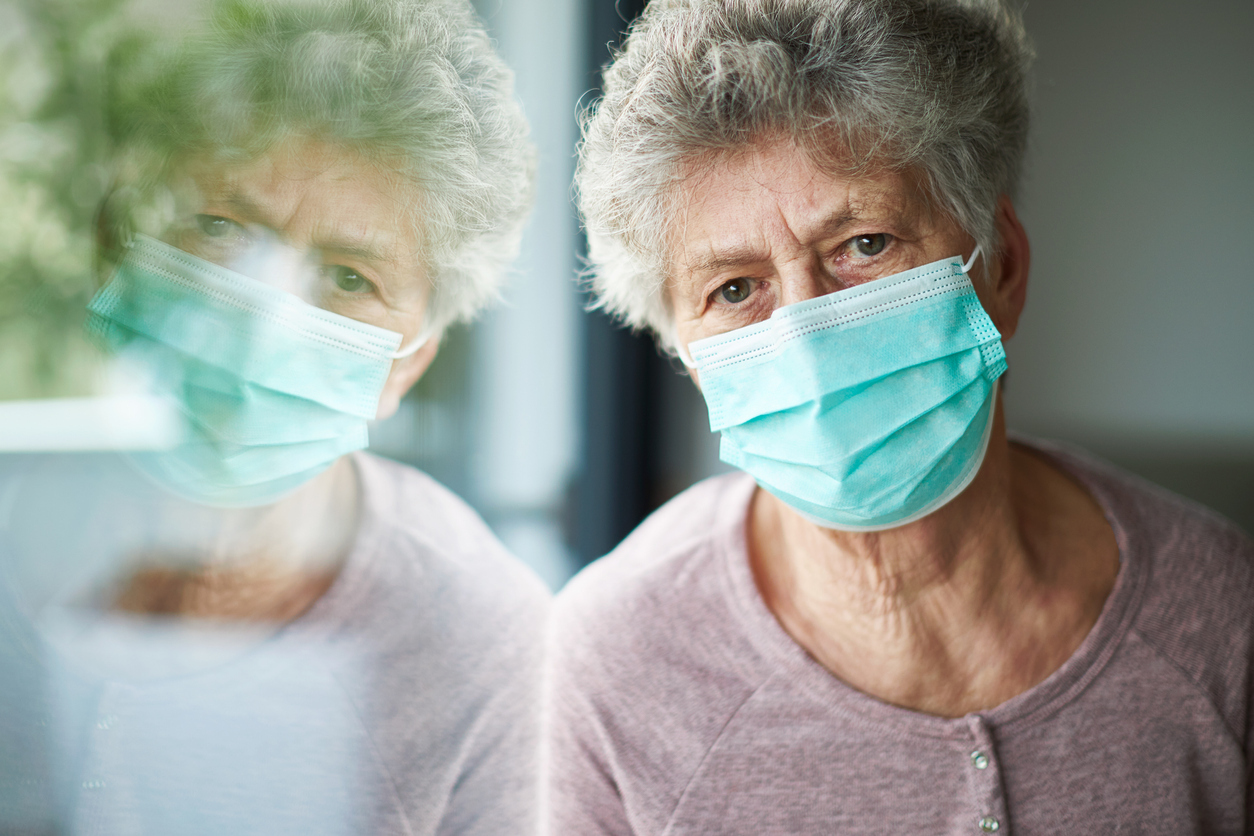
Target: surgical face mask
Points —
{"points": [[273, 389], [865, 409]]}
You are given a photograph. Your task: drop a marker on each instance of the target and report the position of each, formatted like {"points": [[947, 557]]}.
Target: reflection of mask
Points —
{"points": [[864, 409], [274, 389]]}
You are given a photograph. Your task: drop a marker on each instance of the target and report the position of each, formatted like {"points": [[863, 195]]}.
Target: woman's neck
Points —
{"points": [[958, 611], [259, 565]]}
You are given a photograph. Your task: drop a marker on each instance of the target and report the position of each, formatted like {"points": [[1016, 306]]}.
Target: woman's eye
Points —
{"points": [[214, 226], [736, 291], [350, 281], [869, 245]]}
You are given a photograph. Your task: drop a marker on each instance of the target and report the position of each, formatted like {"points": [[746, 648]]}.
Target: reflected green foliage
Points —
{"points": [[55, 127]]}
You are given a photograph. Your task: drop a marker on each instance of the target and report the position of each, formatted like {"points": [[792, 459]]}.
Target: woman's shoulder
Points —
{"points": [[421, 515], [660, 608], [1173, 535], [647, 663], [440, 636], [425, 561], [430, 598], [1196, 609]]}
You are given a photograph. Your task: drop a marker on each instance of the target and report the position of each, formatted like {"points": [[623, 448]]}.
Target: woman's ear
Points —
{"points": [[111, 232], [405, 373], [1008, 270]]}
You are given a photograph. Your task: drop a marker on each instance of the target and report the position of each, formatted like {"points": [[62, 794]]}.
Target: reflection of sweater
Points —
{"points": [[404, 702], [683, 708]]}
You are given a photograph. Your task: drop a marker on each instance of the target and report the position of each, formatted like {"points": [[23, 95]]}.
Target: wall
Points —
{"points": [[1139, 202]]}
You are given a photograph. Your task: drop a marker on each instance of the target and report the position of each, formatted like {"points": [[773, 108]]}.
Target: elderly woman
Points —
{"points": [[259, 630], [895, 620]]}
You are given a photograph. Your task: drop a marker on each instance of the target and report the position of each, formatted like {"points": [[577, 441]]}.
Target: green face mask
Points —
{"points": [[864, 409], [274, 390]]}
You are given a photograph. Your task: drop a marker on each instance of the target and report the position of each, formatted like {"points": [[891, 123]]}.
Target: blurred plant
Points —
{"points": [[58, 59]]}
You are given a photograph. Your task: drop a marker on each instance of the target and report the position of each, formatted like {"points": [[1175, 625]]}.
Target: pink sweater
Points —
{"points": [[681, 707]]}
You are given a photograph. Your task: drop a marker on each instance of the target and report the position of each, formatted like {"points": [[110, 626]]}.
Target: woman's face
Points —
{"points": [[315, 220], [323, 223], [765, 227]]}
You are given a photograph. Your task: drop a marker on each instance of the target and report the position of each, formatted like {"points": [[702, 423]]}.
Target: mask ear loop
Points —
{"points": [[966, 268], [418, 342], [681, 350]]}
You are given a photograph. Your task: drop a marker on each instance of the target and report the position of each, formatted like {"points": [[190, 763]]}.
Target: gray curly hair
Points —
{"points": [[414, 81], [936, 86]]}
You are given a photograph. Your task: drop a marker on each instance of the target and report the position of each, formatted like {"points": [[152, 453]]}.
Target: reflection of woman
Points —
{"points": [[308, 198], [895, 620]]}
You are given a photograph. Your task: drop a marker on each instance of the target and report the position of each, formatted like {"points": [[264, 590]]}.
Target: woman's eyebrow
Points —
{"points": [[247, 209], [835, 223], [721, 258], [737, 255], [353, 249], [344, 246]]}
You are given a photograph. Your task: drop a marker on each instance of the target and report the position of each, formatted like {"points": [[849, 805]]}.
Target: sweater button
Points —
{"points": [[989, 824]]}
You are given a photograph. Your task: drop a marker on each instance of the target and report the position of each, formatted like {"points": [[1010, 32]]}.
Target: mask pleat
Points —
{"points": [[924, 442], [840, 425], [154, 313], [837, 359], [274, 389], [954, 469]]}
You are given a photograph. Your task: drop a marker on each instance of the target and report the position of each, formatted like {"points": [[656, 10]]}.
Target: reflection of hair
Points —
{"points": [[413, 83], [933, 85]]}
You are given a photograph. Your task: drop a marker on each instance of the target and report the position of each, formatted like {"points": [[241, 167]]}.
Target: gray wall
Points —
{"points": [[1138, 337]]}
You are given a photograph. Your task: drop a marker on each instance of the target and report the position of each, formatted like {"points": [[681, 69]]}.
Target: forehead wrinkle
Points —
{"points": [[844, 202], [741, 253], [868, 202], [721, 253], [718, 254], [247, 208], [327, 233]]}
